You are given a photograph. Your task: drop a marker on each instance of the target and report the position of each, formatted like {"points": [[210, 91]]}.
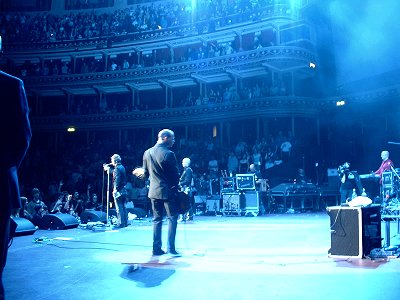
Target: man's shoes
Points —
{"points": [[158, 252], [173, 252], [119, 226]]}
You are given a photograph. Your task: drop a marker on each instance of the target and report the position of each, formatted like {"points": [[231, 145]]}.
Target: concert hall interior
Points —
{"points": [[288, 111]]}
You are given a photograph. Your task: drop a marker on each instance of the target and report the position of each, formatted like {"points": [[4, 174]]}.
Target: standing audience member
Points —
{"points": [[160, 165], [233, 164], [213, 167], [16, 131]]}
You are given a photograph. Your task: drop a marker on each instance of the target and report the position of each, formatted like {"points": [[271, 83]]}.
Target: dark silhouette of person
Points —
{"points": [[15, 132]]}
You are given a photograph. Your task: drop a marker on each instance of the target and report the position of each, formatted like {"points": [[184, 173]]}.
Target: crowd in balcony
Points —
{"points": [[224, 93], [78, 25], [126, 61], [48, 28], [78, 181]]}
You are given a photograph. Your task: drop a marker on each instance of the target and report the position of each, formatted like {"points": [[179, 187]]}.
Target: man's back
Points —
{"points": [[161, 165], [15, 132]]}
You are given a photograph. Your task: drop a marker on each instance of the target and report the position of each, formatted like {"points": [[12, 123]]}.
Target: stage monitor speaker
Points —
{"points": [[59, 221], [91, 215], [355, 231], [22, 226]]}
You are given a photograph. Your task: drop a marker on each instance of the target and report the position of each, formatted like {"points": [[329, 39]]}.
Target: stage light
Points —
{"points": [[312, 65], [340, 103], [71, 129]]}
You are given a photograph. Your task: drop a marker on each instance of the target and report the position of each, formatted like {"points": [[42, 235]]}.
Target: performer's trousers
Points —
{"points": [[172, 214], [122, 213], [4, 240]]}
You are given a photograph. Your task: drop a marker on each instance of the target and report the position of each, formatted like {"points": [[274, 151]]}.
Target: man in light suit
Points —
{"points": [[15, 132], [160, 166]]}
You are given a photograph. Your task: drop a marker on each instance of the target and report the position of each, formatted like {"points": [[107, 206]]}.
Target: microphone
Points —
{"points": [[107, 165]]}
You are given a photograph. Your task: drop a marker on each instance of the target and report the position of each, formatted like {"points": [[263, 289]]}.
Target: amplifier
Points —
{"points": [[387, 178], [355, 231], [227, 184], [245, 181], [213, 205], [252, 202], [200, 199], [232, 202]]}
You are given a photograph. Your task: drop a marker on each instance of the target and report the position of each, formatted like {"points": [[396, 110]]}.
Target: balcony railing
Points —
{"points": [[240, 60], [263, 107]]}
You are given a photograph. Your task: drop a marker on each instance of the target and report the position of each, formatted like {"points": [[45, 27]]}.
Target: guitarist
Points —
{"points": [[185, 182]]}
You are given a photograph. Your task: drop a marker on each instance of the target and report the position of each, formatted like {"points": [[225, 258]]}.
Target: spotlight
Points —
{"points": [[71, 129], [312, 65], [340, 103]]}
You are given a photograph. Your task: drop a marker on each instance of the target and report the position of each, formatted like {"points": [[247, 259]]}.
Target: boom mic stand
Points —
{"points": [[105, 227], [107, 169]]}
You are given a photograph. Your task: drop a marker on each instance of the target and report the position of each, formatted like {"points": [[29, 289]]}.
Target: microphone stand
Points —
{"points": [[107, 168], [105, 227]]}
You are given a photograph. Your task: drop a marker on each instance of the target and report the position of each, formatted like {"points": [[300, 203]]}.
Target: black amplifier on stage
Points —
{"points": [[355, 231], [246, 182], [227, 184]]}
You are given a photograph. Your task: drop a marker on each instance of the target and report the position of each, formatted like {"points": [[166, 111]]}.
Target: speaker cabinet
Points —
{"points": [[232, 202], [58, 221], [90, 215], [213, 205], [355, 231], [22, 226], [252, 202]]}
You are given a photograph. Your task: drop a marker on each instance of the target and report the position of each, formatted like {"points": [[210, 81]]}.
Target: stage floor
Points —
{"points": [[276, 256]]}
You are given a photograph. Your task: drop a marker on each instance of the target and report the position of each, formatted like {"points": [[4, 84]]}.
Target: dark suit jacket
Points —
{"points": [[15, 134], [162, 171], [119, 178]]}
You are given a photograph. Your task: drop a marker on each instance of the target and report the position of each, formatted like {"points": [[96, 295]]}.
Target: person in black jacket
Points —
{"points": [[15, 132], [160, 166], [185, 183], [119, 192]]}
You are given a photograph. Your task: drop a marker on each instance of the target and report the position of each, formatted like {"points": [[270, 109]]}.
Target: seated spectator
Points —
{"points": [[36, 207], [76, 205], [93, 203]]}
